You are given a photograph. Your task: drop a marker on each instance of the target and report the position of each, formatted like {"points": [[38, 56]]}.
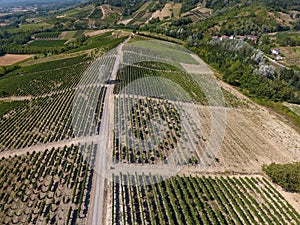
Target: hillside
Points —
{"points": [[150, 112]]}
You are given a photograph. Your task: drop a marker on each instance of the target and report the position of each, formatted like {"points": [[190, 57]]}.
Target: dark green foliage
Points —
{"points": [[286, 175], [47, 35], [271, 4], [243, 67], [97, 14], [47, 43], [188, 5]]}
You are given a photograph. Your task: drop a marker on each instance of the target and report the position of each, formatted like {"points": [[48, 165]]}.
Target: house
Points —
{"points": [[275, 51], [241, 37], [223, 37]]}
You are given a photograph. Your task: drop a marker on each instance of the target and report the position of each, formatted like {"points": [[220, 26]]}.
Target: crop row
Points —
{"points": [[198, 200], [43, 79], [50, 119], [48, 35], [49, 187]]}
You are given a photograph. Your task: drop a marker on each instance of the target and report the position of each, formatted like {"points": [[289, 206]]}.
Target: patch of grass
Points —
{"points": [[47, 43], [287, 175]]}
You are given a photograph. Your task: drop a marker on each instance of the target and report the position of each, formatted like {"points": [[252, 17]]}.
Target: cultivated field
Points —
{"points": [[10, 59], [150, 199], [144, 134]]}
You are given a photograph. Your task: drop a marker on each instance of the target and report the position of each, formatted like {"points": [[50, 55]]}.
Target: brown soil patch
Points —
{"points": [[10, 59], [108, 9], [97, 32], [63, 35]]}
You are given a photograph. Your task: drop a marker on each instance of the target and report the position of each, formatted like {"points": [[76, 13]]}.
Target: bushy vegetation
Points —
{"points": [[285, 175], [246, 67], [97, 14]]}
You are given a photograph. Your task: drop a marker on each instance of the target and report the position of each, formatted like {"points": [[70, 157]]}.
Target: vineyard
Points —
{"points": [[47, 43], [44, 78], [82, 137], [47, 119], [148, 199], [49, 187], [48, 35]]}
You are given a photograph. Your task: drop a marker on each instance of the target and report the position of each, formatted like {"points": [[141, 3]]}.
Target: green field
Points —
{"points": [[48, 43], [46, 35]]}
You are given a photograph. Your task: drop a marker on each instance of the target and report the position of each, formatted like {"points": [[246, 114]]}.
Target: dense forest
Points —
{"points": [[286, 175]]}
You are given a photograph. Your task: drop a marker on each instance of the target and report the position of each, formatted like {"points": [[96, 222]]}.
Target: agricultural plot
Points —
{"points": [[47, 43], [48, 119], [149, 199], [154, 119], [10, 59], [48, 35], [49, 187], [44, 78], [144, 141]]}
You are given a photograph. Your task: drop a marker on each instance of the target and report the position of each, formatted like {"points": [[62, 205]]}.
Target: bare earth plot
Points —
{"points": [[10, 59], [97, 32]]}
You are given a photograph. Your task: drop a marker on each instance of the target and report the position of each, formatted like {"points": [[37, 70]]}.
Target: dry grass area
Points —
{"points": [[97, 32], [170, 10], [254, 137], [108, 9], [282, 18], [291, 54], [10, 59]]}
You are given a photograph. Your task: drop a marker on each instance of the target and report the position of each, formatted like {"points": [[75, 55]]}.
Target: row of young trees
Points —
{"points": [[148, 199], [49, 187]]}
